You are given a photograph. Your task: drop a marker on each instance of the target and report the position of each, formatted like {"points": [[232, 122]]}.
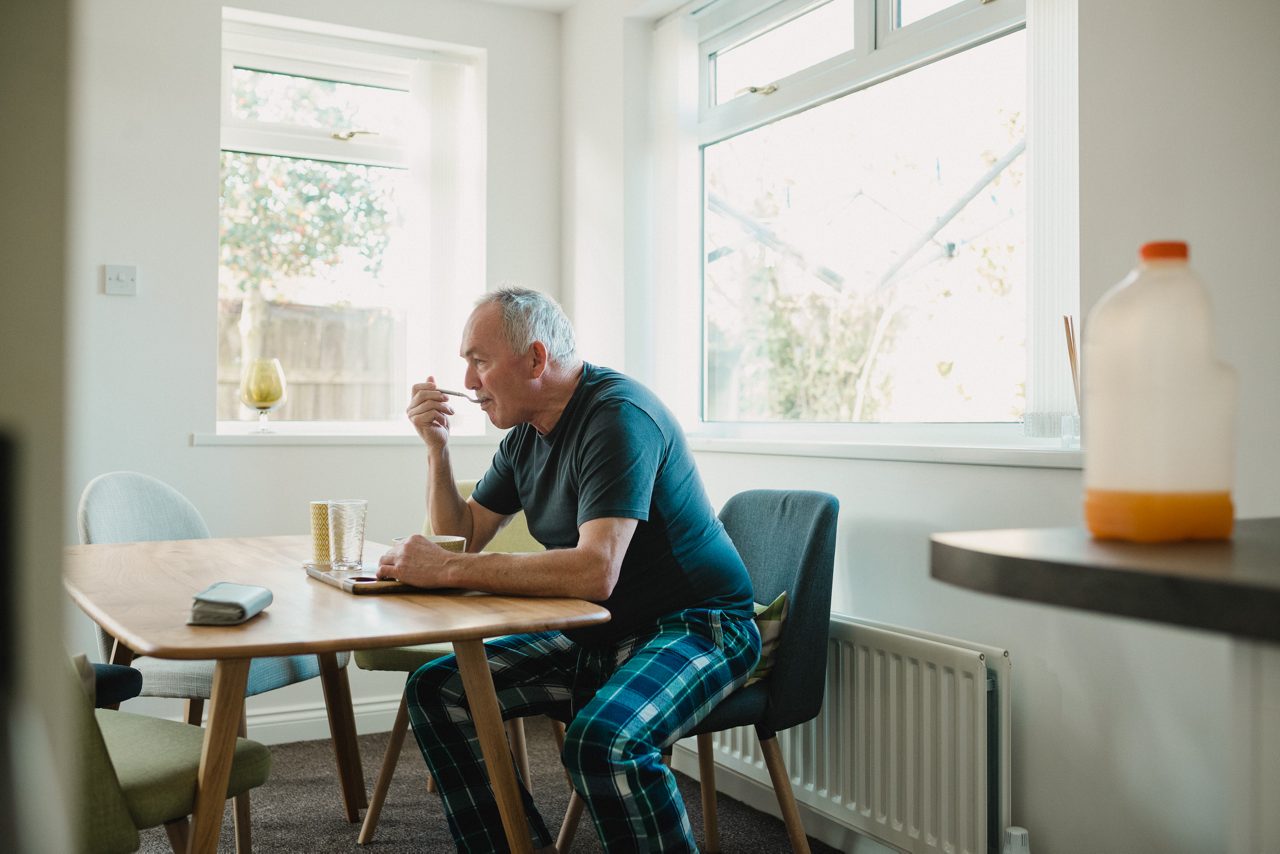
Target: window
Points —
{"points": [[816, 34], [863, 230], [350, 216], [865, 261]]}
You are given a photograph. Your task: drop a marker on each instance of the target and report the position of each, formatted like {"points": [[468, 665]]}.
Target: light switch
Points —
{"points": [[120, 280]]}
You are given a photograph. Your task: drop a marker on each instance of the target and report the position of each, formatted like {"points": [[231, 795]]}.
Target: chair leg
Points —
{"points": [[195, 711], [786, 798], [557, 732], [179, 830], [240, 808], [707, 785], [519, 750], [394, 745], [572, 815]]}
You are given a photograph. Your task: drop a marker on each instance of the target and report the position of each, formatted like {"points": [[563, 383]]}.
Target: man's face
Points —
{"points": [[499, 376]]}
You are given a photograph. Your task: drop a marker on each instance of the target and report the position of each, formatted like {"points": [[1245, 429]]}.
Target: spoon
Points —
{"points": [[461, 394]]}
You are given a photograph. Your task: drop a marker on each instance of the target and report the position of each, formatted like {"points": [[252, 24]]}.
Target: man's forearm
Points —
{"points": [[446, 507], [558, 572]]}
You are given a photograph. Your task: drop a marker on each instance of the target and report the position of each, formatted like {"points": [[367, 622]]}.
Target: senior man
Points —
{"points": [[607, 483]]}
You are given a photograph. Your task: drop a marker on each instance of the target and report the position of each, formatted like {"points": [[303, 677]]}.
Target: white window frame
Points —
{"points": [[452, 171], [880, 52]]}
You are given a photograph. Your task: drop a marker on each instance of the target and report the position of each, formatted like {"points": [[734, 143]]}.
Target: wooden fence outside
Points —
{"points": [[339, 362]]}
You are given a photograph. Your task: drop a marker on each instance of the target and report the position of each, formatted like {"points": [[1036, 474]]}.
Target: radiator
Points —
{"points": [[911, 746]]}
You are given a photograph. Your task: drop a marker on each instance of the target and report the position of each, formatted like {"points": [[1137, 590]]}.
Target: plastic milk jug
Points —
{"points": [[1158, 408]]}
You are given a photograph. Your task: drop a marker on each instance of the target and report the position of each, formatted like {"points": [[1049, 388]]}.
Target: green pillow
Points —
{"points": [[769, 620]]}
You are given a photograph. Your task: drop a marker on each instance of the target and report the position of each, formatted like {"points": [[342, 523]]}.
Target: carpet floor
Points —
{"points": [[299, 809]]}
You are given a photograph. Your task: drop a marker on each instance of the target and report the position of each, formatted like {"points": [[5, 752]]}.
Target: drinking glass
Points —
{"points": [[346, 532], [263, 389]]}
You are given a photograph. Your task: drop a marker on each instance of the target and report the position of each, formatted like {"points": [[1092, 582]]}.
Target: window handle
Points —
{"points": [[346, 135], [757, 90]]}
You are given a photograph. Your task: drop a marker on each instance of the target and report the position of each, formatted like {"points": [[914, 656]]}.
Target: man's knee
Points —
{"points": [[431, 684], [595, 744]]}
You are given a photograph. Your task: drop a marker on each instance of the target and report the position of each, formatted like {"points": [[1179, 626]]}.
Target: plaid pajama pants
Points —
{"points": [[625, 702]]}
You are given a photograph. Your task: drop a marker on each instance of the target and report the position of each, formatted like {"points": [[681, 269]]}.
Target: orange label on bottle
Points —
{"points": [[1158, 517]]}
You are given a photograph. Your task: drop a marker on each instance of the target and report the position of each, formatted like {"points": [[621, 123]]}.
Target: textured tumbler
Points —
{"points": [[346, 532], [320, 533]]}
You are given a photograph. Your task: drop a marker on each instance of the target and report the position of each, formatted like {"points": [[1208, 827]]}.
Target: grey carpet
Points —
{"points": [[299, 809]]}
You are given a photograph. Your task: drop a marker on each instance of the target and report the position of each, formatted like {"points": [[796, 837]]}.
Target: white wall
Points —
{"points": [[1194, 87], [1121, 728], [145, 191], [593, 180]]}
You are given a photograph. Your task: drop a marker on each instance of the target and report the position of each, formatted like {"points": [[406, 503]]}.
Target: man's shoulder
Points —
{"points": [[616, 391]]}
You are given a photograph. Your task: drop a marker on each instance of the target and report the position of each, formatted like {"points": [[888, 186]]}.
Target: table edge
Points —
{"points": [[1189, 601]]}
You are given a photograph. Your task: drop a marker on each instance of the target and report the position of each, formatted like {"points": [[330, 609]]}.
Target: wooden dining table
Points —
{"points": [[141, 593]]}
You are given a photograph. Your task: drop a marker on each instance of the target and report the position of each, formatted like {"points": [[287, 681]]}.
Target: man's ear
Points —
{"points": [[537, 359]]}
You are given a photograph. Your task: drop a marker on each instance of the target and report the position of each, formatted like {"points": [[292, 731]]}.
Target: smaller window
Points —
{"points": [[268, 96], [767, 56], [907, 12]]}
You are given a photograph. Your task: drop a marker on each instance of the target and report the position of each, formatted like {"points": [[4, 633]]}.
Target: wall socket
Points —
{"points": [[120, 280]]}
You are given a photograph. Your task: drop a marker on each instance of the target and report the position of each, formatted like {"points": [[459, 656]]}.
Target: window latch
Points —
{"points": [[347, 135], [757, 90]]}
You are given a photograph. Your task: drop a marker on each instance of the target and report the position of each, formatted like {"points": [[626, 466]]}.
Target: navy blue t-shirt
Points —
{"points": [[617, 452]]}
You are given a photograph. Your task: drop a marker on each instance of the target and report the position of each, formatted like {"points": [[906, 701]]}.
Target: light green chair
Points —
{"points": [[515, 537], [139, 772]]}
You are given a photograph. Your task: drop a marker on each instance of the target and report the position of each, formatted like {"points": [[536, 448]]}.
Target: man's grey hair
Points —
{"points": [[528, 316]]}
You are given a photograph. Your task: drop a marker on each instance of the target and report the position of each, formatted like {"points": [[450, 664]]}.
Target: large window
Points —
{"points": [[864, 219], [350, 197]]}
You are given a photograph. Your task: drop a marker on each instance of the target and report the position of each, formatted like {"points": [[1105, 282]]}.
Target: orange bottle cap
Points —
{"points": [[1163, 249]]}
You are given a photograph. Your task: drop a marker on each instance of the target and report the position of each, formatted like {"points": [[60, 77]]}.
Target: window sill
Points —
{"points": [[1031, 454], [240, 433]]}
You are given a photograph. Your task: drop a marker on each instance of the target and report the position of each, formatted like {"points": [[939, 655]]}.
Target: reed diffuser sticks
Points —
{"points": [[1073, 356]]}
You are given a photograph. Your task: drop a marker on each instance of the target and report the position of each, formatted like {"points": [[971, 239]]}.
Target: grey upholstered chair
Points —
{"points": [[139, 772], [787, 539], [514, 537], [126, 507]]}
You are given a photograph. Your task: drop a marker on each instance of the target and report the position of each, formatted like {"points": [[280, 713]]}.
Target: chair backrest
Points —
{"points": [[515, 537], [128, 507], [787, 538], [106, 824]]}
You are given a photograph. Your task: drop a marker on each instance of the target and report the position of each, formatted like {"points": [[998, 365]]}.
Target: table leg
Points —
{"points": [[342, 727], [225, 707], [1255, 741], [483, 701], [121, 654]]}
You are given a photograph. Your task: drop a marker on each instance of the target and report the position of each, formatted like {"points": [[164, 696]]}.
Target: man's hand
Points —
{"points": [[429, 412], [416, 561]]}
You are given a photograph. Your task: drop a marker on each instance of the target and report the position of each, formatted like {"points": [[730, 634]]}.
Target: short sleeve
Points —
{"points": [[496, 490], [618, 464]]}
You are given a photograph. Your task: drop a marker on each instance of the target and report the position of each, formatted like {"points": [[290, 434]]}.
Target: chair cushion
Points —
{"points": [[403, 659], [156, 762], [183, 679], [769, 619], [115, 683]]}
